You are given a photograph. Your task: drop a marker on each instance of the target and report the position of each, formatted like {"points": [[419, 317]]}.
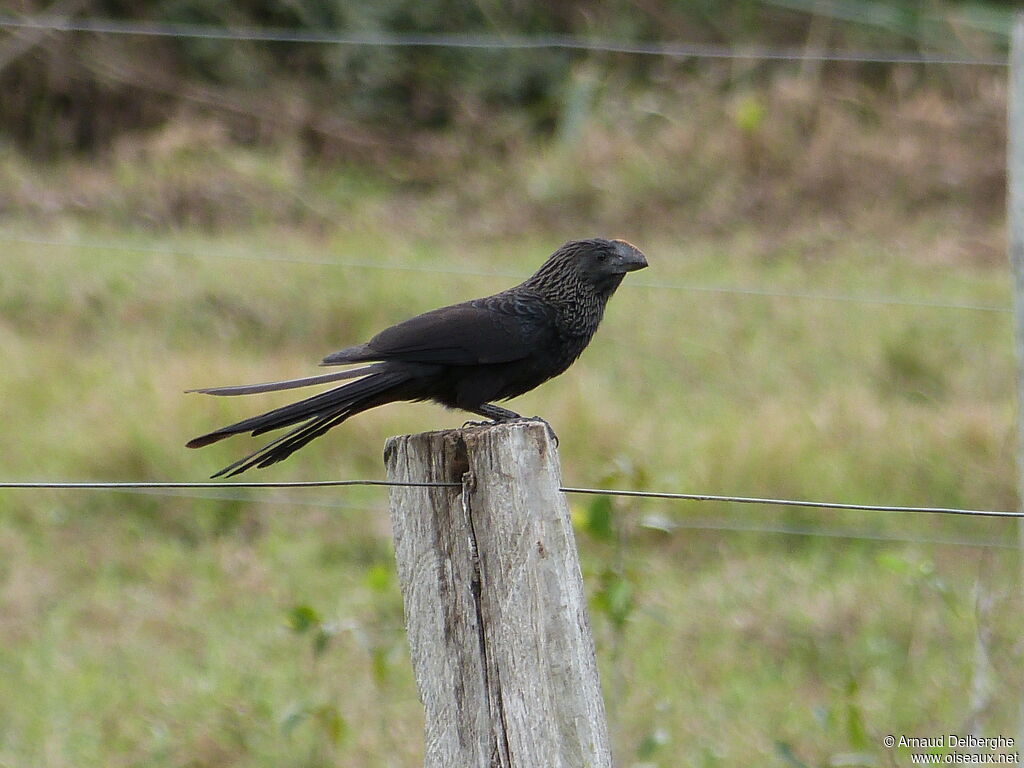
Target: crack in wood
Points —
{"points": [[489, 669]]}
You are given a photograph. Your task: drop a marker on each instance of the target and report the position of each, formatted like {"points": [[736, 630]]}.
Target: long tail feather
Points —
{"points": [[237, 465], [275, 386], [314, 416], [284, 446], [325, 402]]}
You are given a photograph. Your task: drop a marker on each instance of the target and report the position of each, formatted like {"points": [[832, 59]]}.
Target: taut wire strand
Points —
{"points": [[588, 491]]}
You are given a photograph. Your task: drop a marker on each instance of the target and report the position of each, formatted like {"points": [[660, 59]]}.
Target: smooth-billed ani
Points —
{"points": [[463, 356]]}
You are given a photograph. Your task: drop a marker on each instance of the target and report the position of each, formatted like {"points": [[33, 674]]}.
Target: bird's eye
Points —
{"points": [[602, 256]]}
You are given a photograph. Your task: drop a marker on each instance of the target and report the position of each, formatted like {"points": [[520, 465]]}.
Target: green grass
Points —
{"points": [[168, 630]]}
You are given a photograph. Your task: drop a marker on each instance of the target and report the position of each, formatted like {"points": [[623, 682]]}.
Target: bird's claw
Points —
{"points": [[529, 419], [551, 432], [534, 419]]}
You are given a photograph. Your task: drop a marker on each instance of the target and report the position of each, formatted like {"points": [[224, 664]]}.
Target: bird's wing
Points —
{"points": [[493, 330]]}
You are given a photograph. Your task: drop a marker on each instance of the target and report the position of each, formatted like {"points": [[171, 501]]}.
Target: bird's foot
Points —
{"points": [[535, 419], [513, 420], [548, 427]]}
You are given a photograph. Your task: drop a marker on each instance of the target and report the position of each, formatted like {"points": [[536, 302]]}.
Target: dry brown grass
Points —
{"points": [[678, 158]]}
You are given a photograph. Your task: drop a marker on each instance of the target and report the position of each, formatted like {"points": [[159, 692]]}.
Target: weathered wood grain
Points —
{"points": [[495, 610]]}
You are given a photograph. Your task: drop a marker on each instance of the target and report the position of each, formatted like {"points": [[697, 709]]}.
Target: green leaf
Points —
{"points": [[331, 722], [599, 519], [651, 743], [381, 662], [327, 718], [855, 730], [380, 577], [893, 563], [302, 617], [295, 715], [321, 641], [785, 751], [615, 598], [750, 114]]}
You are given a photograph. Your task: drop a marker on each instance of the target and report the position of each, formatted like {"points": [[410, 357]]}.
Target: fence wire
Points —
{"points": [[650, 521], [486, 42], [126, 247], [585, 491]]}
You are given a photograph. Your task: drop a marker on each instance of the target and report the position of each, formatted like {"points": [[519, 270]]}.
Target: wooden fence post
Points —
{"points": [[494, 605], [1015, 243]]}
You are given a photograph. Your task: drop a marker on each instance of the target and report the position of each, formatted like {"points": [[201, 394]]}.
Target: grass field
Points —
{"points": [[265, 629]]}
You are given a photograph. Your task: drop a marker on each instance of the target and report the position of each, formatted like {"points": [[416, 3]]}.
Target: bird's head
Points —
{"points": [[604, 263], [610, 257], [598, 263]]}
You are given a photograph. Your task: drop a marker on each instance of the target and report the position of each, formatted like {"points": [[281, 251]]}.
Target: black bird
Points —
{"points": [[462, 356]]}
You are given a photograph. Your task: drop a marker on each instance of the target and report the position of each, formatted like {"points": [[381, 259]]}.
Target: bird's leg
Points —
{"points": [[499, 415], [495, 412]]}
